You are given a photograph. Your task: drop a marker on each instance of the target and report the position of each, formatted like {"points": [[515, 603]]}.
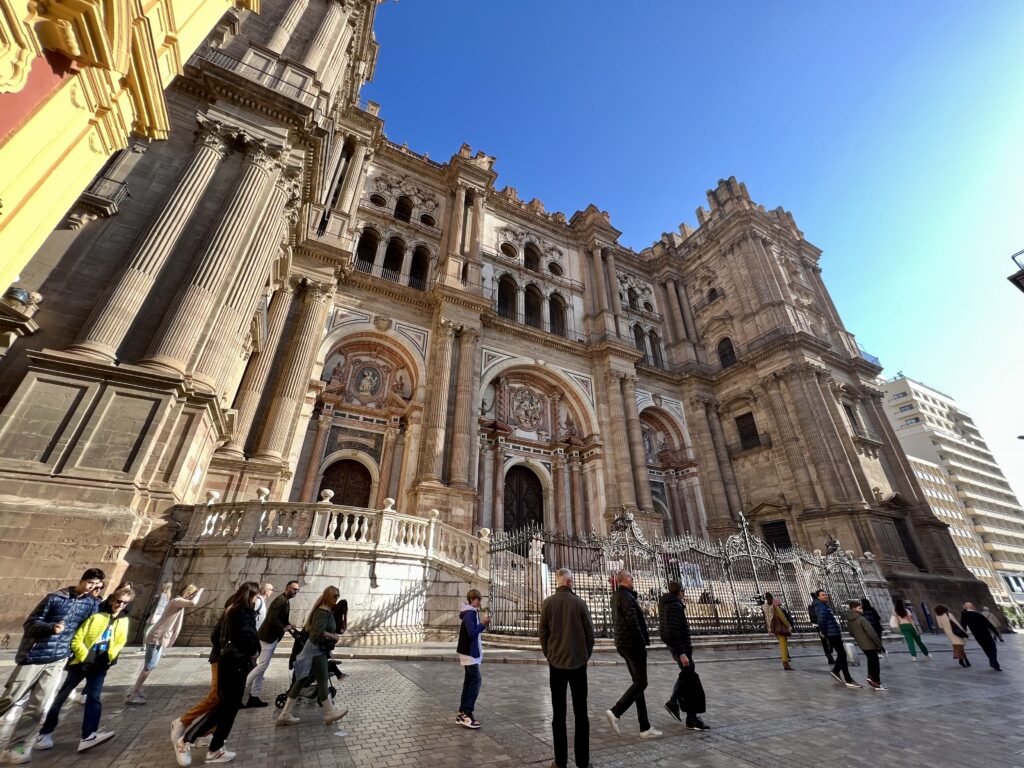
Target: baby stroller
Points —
{"points": [[309, 684]]}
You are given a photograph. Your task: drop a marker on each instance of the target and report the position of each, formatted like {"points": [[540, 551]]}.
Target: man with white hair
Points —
{"points": [[567, 640], [983, 632], [631, 641]]}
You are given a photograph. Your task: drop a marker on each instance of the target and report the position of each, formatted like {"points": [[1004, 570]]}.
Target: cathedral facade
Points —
{"points": [[286, 305]]}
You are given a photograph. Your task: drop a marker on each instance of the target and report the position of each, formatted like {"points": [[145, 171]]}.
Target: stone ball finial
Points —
{"points": [[484, 534], [212, 497], [434, 514], [389, 505], [869, 555], [326, 495], [817, 552], [262, 493], [849, 552]]}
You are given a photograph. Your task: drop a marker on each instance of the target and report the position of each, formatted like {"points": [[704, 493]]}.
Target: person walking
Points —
{"points": [[161, 606], [162, 636], [238, 647], [674, 631], [955, 632], [812, 613], [262, 601], [471, 656], [903, 622], [312, 660], [983, 632], [867, 640], [271, 630], [778, 624], [994, 621], [94, 649], [829, 627], [873, 619], [567, 642], [631, 641], [45, 646]]}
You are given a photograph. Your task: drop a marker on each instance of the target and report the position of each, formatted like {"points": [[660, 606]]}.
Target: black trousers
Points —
{"points": [[874, 668], [835, 644], [825, 646], [636, 663], [576, 680], [231, 676], [988, 645]]}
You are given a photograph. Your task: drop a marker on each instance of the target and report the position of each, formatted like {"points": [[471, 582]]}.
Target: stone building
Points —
{"points": [[290, 304]]}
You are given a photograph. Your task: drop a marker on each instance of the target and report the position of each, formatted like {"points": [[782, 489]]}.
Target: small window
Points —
{"points": [[555, 269], [905, 408], [379, 200], [428, 220], [634, 298], [747, 429], [507, 249], [851, 414], [531, 258], [712, 294], [776, 534], [912, 420], [648, 307], [403, 208], [899, 396], [726, 353]]}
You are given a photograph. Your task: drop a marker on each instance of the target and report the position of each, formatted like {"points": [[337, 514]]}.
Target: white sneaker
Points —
{"points": [[220, 756], [650, 733], [94, 739], [177, 730], [613, 721], [913, 658], [43, 741], [183, 753], [18, 755]]}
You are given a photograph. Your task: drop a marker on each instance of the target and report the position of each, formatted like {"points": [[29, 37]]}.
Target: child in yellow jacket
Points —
{"points": [[94, 649]]}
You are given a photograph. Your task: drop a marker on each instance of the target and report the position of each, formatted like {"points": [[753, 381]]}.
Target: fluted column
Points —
{"points": [[254, 380], [601, 281], [111, 321], [558, 483], [477, 228], [849, 464], [684, 304], [325, 33], [790, 444], [323, 429], [613, 291], [291, 388], [675, 311], [283, 32], [386, 467], [811, 435], [182, 331], [458, 216], [579, 525], [732, 491], [698, 523], [675, 507], [636, 445], [827, 430], [622, 456], [353, 172], [436, 416], [498, 478], [464, 417]]}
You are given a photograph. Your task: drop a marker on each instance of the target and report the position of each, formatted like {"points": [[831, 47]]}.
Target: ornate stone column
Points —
{"points": [[323, 429], [600, 281], [477, 229], [283, 32], [613, 291], [254, 380], [499, 483], [458, 217], [386, 462], [849, 465], [558, 469], [436, 413], [637, 456], [675, 506], [579, 502], [790, 443], [698, 524], [113, 317], [179, 337], [684, 304], [464, 416], [294, 382], [811, 433], [675, 312], [325, 33], [622, 459], [353, 171], [732, 491]]}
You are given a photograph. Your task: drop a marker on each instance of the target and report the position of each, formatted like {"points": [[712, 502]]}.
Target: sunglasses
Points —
{"points": [[118, 602]]}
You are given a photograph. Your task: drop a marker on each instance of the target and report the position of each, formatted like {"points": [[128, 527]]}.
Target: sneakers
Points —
{"points": [[177, 730], [851, 684], [94, 739], [876, 685], [255, 702], [43, 741], [913, 658], [673, 709], [466, 721], [182, 752], [135, 698], [18, 755], [837, 678], [220, 756], [651, 733], [696, 724], [613, 721]]}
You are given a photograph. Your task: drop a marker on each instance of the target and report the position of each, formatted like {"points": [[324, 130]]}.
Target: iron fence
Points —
{"points": [[724, 582]]}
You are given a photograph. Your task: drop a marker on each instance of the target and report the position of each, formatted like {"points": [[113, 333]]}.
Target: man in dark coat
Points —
{"points": [[674, 630], [829, 627], [983, 632], [813, 616], [271, 631], [631, 641], [567, 640]]}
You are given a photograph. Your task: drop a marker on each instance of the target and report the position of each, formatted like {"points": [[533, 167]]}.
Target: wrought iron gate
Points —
{"points": [[724, 582]]}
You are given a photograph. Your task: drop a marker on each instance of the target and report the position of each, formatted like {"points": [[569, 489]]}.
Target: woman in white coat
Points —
{"points": [[954, 632]]}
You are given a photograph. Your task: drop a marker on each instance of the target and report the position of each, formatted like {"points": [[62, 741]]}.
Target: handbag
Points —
{"points": [[894, 623], [779, 627]]}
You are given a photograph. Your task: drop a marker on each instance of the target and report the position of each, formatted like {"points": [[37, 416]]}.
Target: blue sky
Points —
{"points": [[892, 131]]}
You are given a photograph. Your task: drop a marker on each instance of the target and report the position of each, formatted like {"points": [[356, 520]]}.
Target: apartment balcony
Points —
{"points": [[751, 443], [1017, 278]]}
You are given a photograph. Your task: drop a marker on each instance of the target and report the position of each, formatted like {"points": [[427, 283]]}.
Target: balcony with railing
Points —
{"points": [[206, 58], [751, 443], [417, 282], [711, 298], [861, 433], [537, 322]]}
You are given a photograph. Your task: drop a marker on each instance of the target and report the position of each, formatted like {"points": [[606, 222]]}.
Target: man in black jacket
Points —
{"points": [[567, 640], [983, 632], [674, 630], [631, 641], [271, 631]]}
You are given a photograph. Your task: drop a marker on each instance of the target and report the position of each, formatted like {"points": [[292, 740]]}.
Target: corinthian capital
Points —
{"points": [[211, 135]]}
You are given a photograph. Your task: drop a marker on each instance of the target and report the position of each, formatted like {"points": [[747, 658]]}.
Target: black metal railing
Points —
{"points": [[108, 189], [532, 320], [866, 434], [750, 443], [390, 274]]}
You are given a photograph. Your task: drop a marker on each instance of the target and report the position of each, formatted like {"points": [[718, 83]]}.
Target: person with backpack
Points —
{"points": [[778, 624], [956, 634], [631, 641], [94, 649], [471, 656], [867, 640], [674, 631]]}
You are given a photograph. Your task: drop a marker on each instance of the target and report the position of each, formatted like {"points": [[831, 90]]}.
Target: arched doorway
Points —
{"points": [[524, 499], [350, 481]]}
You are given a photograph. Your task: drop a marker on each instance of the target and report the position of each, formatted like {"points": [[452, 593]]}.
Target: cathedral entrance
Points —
{"points": [[350, 481], [524, 499]]}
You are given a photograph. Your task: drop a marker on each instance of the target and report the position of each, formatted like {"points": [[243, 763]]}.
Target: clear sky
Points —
{"points": [[892, 131]]}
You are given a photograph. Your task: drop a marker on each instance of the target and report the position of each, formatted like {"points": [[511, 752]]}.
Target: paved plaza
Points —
{"points": [[402, 714]]}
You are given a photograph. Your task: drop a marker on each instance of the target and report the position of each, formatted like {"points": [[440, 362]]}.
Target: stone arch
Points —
{"points": [[546, 484], [411, 358], [350, 454], [666, 424], [575, 396]]}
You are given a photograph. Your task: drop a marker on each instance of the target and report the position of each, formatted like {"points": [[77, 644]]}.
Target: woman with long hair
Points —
{"points": [[903, 622], [954, 632], [239, 646], [323, 635], [162, 636]]}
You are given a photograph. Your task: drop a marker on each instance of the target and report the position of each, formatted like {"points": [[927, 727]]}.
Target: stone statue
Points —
{"points": [[368, 382]]}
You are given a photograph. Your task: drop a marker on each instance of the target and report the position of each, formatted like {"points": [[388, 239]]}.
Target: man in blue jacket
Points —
{"points": [[829, 627], [471, 655], [44, 649]]}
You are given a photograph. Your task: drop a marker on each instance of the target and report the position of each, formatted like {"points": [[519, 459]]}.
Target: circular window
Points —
{"points": [[648, 307], [507, 249], [427, 219], [555, 268], [378, 200]]}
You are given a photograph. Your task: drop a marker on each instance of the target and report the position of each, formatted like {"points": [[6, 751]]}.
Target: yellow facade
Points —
{"points": [[122, 55]]}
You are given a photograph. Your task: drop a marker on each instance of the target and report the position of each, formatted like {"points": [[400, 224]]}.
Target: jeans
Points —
{"points": [[835, 644], [230, 684], [576, 680], [636, 663], [471, 683], [874, 669], [18, 724], [909, 633], [93, 708], [254, 682]]}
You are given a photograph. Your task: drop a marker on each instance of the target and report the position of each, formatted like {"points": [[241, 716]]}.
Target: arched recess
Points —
{"points": [[343, 472], [532, 301], [633, 298], [557, 314], [668, 526], [403, 208], [520, 475], [508, 292], [388, 345], [393, 257], [640, 340], [655, 342], [531, 257], [366, 250], [419, 269], [662, 432], [726, 353], [574, 396]]}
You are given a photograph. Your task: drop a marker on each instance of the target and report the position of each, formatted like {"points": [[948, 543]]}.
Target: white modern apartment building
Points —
{"points": [[930, 426]]}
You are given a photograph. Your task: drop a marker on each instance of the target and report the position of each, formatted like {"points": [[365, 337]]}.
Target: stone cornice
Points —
{"points": [[490, 319]]}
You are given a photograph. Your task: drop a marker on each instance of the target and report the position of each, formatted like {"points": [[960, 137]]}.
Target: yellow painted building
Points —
{"points": [[77, 78]]}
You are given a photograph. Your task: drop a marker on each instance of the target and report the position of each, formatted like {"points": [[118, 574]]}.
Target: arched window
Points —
{"points": [[656, 357], [419, 268], [726, 353], [531, 258], [366, 251], [403, 208], [556, 309], [532, 301], [393, 257], [639, 338], [712, 294], [507, 292], [648, 307], [634, 298]]}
